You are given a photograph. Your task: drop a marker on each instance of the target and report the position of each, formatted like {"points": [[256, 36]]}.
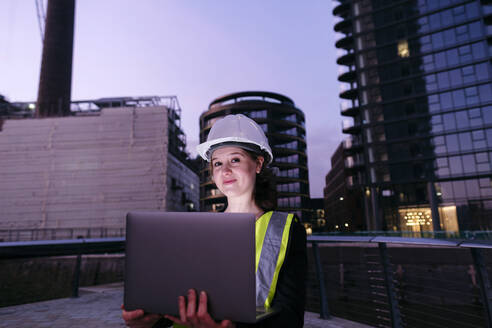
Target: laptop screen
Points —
{"points": [[168, 253]]}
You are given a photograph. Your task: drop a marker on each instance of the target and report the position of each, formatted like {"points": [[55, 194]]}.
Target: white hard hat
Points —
{"points": [[239, 131]]}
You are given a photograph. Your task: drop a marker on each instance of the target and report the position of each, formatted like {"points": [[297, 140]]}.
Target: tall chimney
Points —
{"points": [[55, 81]]}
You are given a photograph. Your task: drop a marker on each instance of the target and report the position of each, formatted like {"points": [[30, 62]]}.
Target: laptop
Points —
{"points": [[168, 253]]}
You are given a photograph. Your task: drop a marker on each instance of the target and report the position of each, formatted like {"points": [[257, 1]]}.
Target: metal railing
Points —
{"points": [[25, 109], [444, 235], [396, 319], [11, 235], [389, 289]]}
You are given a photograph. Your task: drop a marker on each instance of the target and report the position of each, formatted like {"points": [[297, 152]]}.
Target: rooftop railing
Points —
{"points": [[404, 282], [15, 235], [382, 281]]}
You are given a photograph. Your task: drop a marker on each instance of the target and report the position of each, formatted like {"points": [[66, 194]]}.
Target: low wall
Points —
{"points": [[38, 279]]}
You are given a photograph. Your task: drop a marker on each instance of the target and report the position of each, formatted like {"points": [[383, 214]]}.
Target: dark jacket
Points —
{"points": [[290, 294]]}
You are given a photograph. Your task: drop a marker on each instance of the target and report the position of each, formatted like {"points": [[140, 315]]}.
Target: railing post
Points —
{"points": [[324, 312], [76, 274], [483, 280], [390, 290]]}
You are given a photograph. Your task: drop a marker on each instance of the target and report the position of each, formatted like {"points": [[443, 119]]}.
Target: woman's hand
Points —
{"points": [[139, 319], [191, 317]]}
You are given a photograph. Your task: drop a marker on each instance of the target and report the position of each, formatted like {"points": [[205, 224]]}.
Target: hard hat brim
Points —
{"points": [[205, 149]]}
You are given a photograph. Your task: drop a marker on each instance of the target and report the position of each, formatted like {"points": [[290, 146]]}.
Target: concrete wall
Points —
{"points": [[38, 279], [82, 171]]}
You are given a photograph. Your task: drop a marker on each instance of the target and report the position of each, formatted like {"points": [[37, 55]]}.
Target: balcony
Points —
{"points": [[354, 162], [350, 111], [346, 42], [350, 94], [347, 59], [352, 145], [342, 10], [345, 26], [355, 179], [351, 127], [349, 77]]}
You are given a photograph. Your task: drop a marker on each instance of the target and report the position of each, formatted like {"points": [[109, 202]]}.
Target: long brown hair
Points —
{"points": [[265, 193]]}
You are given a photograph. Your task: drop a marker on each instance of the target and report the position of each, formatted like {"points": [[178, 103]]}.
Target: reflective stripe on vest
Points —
{"points": [[272, 237]]}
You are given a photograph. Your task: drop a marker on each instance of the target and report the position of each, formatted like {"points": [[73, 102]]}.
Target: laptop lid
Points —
{"points": [[168, 253]]}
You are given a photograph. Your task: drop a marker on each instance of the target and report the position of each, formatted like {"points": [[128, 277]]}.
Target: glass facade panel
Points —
{"points": [[465, 141]]}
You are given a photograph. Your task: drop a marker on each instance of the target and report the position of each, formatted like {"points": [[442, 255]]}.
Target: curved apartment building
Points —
{"points": [[284, 126]]}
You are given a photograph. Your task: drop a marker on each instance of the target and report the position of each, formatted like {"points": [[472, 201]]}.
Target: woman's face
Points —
{"points": [[234, 171]]}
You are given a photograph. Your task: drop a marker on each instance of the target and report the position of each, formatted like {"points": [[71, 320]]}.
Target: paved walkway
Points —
{"points": [[99, 306]]}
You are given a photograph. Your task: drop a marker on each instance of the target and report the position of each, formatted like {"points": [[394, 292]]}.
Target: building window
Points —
{"points": [[291, 145], [218, 207], [258, 114], [291, 118], [289, 187], [288, 159], [292, 173], [289, 201], [403, 50], [290, 132]]}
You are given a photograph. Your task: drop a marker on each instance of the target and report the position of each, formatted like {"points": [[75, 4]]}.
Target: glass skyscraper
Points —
{"points": [[416, 93]]}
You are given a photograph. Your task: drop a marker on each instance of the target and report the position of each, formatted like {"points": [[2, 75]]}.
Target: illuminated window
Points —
{"points": [[403, 50], [419, 219]]}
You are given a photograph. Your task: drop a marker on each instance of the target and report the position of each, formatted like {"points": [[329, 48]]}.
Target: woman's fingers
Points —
{"points": [[202, 305], [138, 318], [132, 315], [189, 315], [191, 308], [173, 319], [227, 324], [182, 308], [151, 318], [202, 313]]}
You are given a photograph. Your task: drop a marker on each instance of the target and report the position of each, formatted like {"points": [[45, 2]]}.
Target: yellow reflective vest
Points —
{"points": [[272, 237]]}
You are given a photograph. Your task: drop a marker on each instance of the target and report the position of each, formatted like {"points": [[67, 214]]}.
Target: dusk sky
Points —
{"points": [[196, 50]]}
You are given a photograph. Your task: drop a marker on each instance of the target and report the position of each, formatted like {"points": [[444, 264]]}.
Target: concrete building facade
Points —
{"points": [[78, 176]]}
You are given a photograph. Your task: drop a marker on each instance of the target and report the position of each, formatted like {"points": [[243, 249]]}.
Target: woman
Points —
{"points": [[238, 152]]}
